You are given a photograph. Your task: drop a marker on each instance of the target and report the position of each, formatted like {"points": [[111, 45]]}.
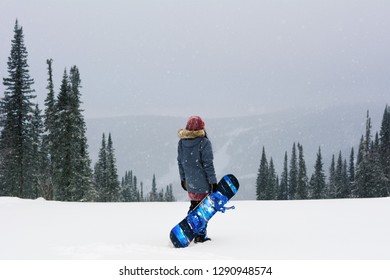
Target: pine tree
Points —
{"points": [[100, 177], [16, 112], [341, 179], [129, 191], [262, 177], [169, 197], [154, 196], [83, 176], [338, 177], [112, 173], [270, 192], [105, 176], [303, 181], [70, 159], [351, 173], [49, 136], [331, 189], [384, 146], [293, 175], [370, 177], [37, 156], [283, 193], [317, 181]]}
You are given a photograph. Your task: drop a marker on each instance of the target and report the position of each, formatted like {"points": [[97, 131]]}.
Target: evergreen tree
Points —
{"points": [[293, 175], [341, 178], [49, 136], [270, 192], [262, 178], [351, 173], [105, 175], [338, 176], [113, 186], [37, 156], [283, 193], [72, 173], [331, 190], [129, 192], [142, 192], [169, 197], [101, 171], [16, 113], [370, 177], [303, 181], [317, 181], [154, 196], [83, 176], [384, 146]]}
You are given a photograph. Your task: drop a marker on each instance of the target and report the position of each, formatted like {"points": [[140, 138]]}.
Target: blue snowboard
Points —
{"points": [[195, 222]]}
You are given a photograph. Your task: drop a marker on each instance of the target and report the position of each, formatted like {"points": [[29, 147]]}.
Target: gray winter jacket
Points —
{"points": [[195, 160]]}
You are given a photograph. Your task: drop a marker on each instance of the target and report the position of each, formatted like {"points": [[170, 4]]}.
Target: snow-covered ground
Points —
{"points": [[278, 230]]}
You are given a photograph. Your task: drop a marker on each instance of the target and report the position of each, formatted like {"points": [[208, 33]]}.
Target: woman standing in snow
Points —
{"points": [[196, 167]]}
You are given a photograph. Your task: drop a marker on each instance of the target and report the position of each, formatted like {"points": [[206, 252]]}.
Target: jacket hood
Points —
{"points": [[191, 134]]}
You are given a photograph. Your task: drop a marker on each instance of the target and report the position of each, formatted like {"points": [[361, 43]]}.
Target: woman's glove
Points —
{"points": [[183, 185]]}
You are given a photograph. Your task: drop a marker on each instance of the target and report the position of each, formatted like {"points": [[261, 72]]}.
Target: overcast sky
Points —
{"points": [[213, 58]]}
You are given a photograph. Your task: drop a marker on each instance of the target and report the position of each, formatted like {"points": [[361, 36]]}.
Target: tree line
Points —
{"points": [[45, 154], [363, 176]]}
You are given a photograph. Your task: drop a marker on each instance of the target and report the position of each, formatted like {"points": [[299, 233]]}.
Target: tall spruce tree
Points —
{"points": [[384, 146], [270, 192], [112, 172], [262, 177], [283, 187], [38, 155], [370, 177], [293, 175], [100, 177], [129, 191], [317, 181], [106, 179], [351, 173], [331, 186], [154, 196], [49, 135], [16, 113], [341, 178], [303, 181], [72, 172], [338, 176]]}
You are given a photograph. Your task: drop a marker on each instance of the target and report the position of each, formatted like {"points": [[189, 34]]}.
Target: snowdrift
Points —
{"points": [[302, 230]]}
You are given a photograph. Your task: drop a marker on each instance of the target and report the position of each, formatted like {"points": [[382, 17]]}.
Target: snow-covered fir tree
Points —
{"points": [[262, 180], [317, 180], [303, 181], [293, 175], [272, 185], [331, 185], [106, 175], [72, 173], [283, 188], [153, 195], [16, 115], [384, 146], [370, 175], [129, 188]]}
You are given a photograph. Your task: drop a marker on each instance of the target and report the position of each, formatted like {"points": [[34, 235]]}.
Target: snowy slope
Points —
{"points": [[327, 229]]}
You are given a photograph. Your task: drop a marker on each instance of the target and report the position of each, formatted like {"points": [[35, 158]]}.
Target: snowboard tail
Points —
{"points": [[196, 221]]}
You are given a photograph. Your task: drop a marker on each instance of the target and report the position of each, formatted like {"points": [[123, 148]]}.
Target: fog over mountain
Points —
{"points": [[148, 144]]}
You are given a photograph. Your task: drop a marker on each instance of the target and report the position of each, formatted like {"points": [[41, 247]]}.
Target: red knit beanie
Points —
{"points": [[195, 123]]}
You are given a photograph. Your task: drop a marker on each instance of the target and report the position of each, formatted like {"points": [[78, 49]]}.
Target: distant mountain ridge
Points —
{"points": [[148, 144]]}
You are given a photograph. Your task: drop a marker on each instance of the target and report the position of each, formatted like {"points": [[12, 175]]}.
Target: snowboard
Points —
{"points": [[184, 232]]}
